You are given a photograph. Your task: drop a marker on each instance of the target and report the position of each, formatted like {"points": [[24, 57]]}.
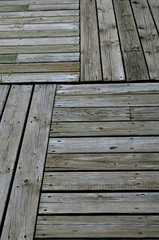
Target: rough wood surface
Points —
{"points": [[22, 209], [90, 53], [110, 49], [148, 35], [92, 181], [66, 203], [97, 227], [11, 130], [135, 64], [102, 161]]}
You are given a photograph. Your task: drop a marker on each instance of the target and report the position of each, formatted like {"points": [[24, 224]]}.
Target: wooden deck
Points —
{"points": [[41, 41], [98, 148], [79, 119]]}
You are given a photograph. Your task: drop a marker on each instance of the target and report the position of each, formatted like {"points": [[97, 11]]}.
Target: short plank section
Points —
{"points": [[110, 49], [135, 64], [102, 161], [103, 145], [11, 129], [154, 5], [97, 227], [90, 54], [101, 181], [22, 209], [66, 203], [91, 114], [3, 96]]}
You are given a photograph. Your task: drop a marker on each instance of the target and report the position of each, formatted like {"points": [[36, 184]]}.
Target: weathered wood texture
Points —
{"points": [[110, 49], [90, 52], [11, 130], [31, 33], [22, 208], [102, 162], [97, 226]]}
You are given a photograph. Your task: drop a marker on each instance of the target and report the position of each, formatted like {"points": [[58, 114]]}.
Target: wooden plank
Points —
{"points": [[95, 181], [41, 77], [39, 41], [92, 203], [39, 33], [24, 2], [110, 49], [13, 8], [90, 54], [154, 5], [50, 7], [22, 15], [148, 35], [102, 161], [53, 48], [54, 19], [135, 64], [103, 145], [39, 67], [4, 89], [11, 129], [21, 215], [48, 57], [97, 227], [94, 89], [91, 114], [88, 129], [144, 113], [39, 26], [142, 100]]}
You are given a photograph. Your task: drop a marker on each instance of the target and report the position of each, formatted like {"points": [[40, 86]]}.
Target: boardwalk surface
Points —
{"points": [[79, 156]]}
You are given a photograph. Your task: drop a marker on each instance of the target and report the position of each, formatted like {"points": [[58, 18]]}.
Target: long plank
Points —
{"points": [[24, 2], [90, 54], [154, 5], [71, 203], [39, 41], [88, 89], [148, 35], [135, 64], [11, 129], [110, 50], [103, 145], [55, 19], [95, 181], [22, 15], [52, 48], [142, 100], [97, 227], [91, 114], [17, 2], [41, 77], [21, 215], [78, 129], [39, 33], [39, 67], [102, 161], [39, 26], [3, 96]]}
